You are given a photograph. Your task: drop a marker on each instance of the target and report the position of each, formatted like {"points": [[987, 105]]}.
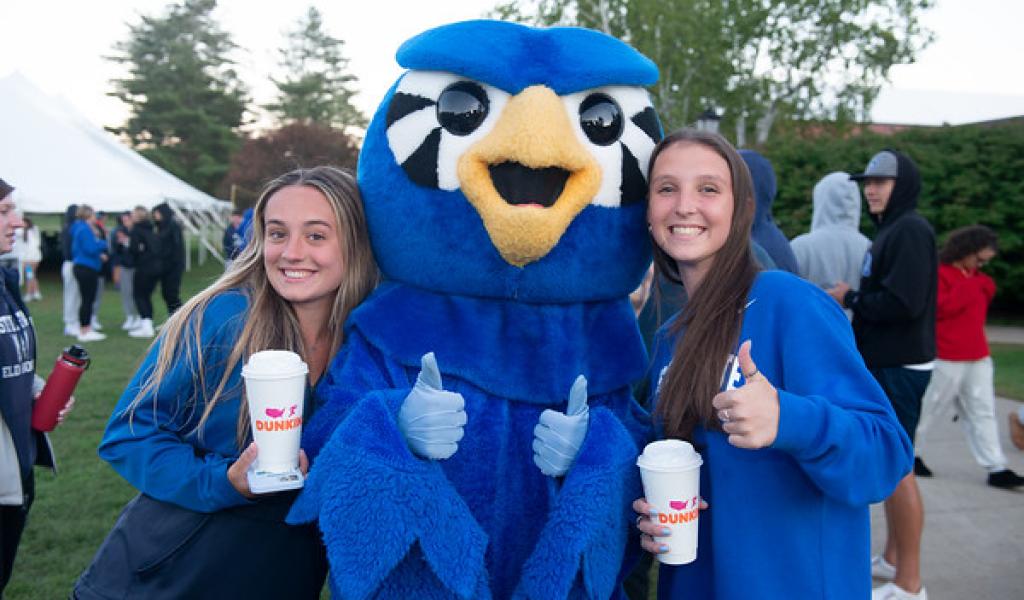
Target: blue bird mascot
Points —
{"points": [[476, 436]]}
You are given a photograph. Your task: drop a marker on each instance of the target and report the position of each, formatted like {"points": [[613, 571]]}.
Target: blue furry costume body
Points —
{"points": [[504, 183]]}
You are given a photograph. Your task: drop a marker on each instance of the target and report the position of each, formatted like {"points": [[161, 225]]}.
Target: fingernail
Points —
{"points": [[665, 531], [654, 514], [662, 549]]}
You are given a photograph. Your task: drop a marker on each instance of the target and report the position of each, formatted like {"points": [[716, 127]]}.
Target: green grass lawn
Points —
{"points": [[74, 510], [1009, 364]]}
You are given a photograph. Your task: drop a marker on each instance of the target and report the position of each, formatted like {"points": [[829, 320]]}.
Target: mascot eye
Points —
{"points": [[601, 119], [462, 107]]}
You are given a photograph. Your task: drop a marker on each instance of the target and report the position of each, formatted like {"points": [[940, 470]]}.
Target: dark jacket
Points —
{"points": [[894, 310], [16, 400], [65, 232], [764, 231], [144, 248], [172, 243], [120, 254]]}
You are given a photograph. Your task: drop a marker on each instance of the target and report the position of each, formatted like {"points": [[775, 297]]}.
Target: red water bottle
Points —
{"points": [[59, 386]]}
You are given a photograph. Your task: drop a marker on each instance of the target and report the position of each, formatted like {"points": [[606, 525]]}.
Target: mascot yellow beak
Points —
{"points": [[530, 177]]}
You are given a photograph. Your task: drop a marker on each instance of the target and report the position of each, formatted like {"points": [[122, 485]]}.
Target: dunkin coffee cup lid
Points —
{"points": [[274, 364], [670, 456]]}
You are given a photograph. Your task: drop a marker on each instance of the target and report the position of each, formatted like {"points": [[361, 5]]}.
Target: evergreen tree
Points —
{"points": [[185, 98], [317, 88], [755, 61]]}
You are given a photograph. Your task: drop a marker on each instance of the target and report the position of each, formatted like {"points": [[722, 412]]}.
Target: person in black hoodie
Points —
{"points": [[144, 248], [894, 323], [172, 254]]}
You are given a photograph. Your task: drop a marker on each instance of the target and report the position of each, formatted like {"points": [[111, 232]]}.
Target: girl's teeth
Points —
{"points": [[296, 274], [685, 230]]}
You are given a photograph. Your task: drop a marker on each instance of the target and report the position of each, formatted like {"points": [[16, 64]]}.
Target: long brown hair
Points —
{"points": [[708, 327], [271, 323]]}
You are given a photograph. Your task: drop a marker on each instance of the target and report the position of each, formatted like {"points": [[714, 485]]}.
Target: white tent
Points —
{"points": [[55, 157]]}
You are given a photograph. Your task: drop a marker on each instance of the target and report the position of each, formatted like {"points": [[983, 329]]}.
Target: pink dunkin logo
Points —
{"points": [[683, 511], [277, 413], [289, 422]]}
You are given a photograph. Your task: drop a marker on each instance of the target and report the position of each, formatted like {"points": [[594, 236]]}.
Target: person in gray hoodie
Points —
{"points": [[834, 249]]}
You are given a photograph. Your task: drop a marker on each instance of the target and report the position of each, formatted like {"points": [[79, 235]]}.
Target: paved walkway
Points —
{"points": [[1005, 335], [973, 546]]}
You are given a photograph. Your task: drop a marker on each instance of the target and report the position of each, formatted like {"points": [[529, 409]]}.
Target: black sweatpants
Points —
{"points": [[12, 523], [142, 291], [88, 280], [170, 286]]}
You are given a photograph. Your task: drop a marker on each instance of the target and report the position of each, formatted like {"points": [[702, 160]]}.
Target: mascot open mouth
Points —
{"points": [[520, 185], [529, 188]]}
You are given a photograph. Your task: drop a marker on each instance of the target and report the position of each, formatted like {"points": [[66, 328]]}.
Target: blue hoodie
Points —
{"points": [[86, 248], [791, 520], [765, 232]]}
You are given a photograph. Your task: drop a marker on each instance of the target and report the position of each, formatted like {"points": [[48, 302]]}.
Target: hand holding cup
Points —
{"points": [[750, 413]]}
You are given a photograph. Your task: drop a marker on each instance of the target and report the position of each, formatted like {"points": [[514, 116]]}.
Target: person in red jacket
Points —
{"points": [[963, 369]]}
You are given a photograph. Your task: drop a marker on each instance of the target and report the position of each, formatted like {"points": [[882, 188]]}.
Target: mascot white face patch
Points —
{"points": [[436, 117]]}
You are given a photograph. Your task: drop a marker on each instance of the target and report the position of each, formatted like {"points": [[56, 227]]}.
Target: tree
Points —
{"points": [[186, 100], [317, 88], [261, 159], [754, 61]]}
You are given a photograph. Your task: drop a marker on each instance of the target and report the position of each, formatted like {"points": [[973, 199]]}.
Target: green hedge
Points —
{"points": [[970, 174]]}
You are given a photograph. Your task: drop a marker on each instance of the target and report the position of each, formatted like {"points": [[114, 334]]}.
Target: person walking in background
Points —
{"points": [[765, 232], [21, 447], [963, 371], [172, 255], [120, 246], [233, 237], [144, 249], [894, 322], [834, 249], [72, 295], [88, 253], [181, 434], [30, 249]]}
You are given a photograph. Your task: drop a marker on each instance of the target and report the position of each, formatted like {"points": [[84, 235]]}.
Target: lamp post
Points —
{"points": [[708, 121]]}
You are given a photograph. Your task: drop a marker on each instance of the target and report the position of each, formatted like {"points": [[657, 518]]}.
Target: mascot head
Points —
{"points": [[510, 162]]}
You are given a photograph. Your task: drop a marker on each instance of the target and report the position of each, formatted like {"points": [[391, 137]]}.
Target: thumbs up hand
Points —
{"points": [[749, 414], [557, 437], [431, 419]]}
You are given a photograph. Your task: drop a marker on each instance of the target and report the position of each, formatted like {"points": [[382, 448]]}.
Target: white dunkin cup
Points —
{"points": [[670, 470], [275, 386]]}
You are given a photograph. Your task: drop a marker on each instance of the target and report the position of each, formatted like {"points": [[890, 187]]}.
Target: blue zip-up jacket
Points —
{"points": [[86, 248], [156, 449], [791, 520]]}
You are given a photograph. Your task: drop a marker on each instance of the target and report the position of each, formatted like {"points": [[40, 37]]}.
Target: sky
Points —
{"points": [[972, 71]]}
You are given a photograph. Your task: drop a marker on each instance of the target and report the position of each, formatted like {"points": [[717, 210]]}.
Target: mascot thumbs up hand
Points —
{"points": [[557, 437], [431, 419]]}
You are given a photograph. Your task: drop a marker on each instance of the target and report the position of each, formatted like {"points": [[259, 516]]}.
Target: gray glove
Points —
{"points": [[431, 419], [557, 437]]}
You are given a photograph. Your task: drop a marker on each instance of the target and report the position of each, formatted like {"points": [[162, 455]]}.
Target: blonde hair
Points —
{"points": [[270, 323], [84, 212]]}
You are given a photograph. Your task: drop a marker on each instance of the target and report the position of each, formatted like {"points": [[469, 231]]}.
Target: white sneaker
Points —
{"points": [[72, 331], [130, 323], [95, 324], [38, 296], [144, 330], [891, 591], [91, 336], [881, 569]]}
